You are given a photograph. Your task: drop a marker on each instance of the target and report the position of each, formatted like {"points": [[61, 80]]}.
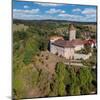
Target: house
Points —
{"points": [[91, 42]]}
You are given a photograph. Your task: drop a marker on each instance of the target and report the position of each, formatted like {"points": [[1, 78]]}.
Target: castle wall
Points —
{"points": [[55, 49], [82, 56], [68, 53]]}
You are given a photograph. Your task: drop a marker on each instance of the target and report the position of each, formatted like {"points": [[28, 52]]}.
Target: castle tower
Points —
{"points": [[72, 32]]}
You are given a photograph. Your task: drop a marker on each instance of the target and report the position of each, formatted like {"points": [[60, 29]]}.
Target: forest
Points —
{"points": [[37, 73]]}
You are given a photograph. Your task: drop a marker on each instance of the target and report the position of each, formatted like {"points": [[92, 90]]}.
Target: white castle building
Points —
{"points": [[66, 48]]}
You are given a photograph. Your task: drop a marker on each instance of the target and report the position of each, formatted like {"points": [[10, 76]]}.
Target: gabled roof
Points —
{"points": [[71, 44], [77, 42], [63, 43]]}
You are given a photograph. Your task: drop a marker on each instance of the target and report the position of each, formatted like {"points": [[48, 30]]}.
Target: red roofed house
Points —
{"points": [[91, 42]]}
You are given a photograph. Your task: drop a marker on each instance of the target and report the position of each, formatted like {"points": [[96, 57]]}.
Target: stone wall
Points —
{"points": [[82, 56], [68, 53]]}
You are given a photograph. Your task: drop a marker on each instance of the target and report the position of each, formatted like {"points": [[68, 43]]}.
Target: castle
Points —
{"points": [[67, 48]]}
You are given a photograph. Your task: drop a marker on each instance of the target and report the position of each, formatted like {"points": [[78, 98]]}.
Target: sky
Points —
{"points": [[43, 11]]}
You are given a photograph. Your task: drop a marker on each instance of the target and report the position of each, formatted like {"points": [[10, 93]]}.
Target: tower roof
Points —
{"points": [[71, 27]]}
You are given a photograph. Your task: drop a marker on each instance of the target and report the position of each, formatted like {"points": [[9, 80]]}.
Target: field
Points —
{"points": [[19, 27]]}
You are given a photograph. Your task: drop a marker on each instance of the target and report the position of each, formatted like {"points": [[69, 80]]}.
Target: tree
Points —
{"points": [[75, 90], [24, 80], [74, 86], [31, 49], [20, 35], [79, 35], [67, 80], [43, 44], [87, 48], [85, 78], [60, 72]]}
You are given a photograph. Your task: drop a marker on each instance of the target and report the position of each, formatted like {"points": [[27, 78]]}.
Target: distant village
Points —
{"points": [[69, 48]]}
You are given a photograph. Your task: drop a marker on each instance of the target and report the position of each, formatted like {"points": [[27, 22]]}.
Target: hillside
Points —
{"points": [[38, 73]]}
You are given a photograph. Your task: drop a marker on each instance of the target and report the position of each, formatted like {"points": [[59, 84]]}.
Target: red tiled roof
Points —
{"points": [[64, 43], [72, 43], [77, 42]]}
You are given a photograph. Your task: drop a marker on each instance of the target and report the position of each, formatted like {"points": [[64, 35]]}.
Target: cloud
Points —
{"points": [[73, 17], [25, 14], [55, 11], [49, 4], [25, 6], [32, 17], [76, 10], [22, 11], [89, 11]]}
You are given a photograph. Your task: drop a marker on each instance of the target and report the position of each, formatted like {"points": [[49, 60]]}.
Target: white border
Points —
{"points": [[5, 49]]}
